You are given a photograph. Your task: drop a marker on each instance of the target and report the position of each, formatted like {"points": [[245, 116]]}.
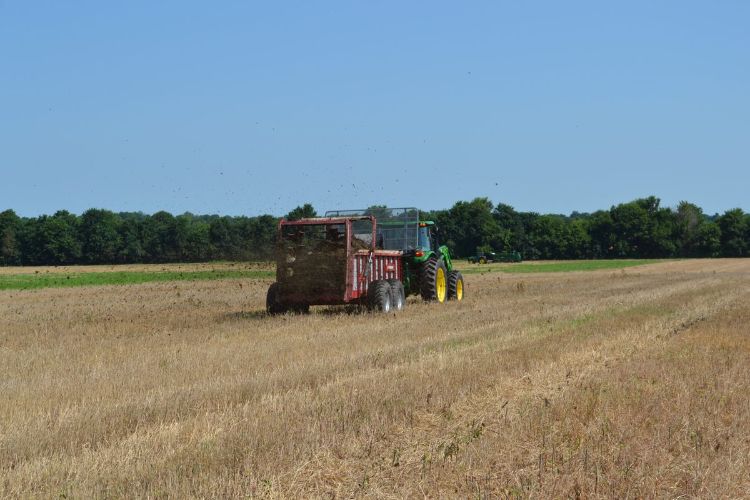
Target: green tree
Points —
{"points": [[470, 225], [515, 227], [642, 229], [10, 253], [261, 237], [194, 238], [734, 229], [225, 241], [99, 236], [51, 240], [160, 237], [602, 233], [697, 236], [578, 245], [132, 249], [548, 237], [305, 211], [707, 241]]}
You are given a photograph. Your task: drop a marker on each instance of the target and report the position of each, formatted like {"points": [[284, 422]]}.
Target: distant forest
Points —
{"points": [[638, 229]]}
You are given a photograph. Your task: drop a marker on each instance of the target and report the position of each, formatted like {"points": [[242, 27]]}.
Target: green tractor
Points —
{"points": [[428, 268]]}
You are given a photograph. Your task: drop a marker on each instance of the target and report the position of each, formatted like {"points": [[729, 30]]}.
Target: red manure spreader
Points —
{"points": [[334, 261]]}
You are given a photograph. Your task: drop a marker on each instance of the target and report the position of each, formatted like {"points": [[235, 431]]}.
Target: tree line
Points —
{"points": [[104, 237], [637, 229]]}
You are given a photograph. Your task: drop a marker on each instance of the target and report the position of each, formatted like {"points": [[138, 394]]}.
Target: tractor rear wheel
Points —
{"points": [[455, 286], [398, 295], [273, 301], [380, 296], [433, 280]]}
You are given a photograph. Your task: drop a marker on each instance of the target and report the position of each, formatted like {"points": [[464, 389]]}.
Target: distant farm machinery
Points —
{"points": [[373, 257], [489, 257]]}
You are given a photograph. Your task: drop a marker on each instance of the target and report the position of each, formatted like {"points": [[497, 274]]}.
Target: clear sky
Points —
{"points": [[244, 108]]}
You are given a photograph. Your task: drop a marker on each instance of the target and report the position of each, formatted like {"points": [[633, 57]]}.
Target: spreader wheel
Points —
{"points": [[273, 301], [455, 286], [398, 294], [380, 296], [433, 280]]}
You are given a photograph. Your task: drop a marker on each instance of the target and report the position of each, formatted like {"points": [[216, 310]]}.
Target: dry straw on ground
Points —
{"points": [[598, 384]]}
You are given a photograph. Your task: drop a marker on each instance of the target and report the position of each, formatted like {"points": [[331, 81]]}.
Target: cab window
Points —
{"points": [[424, 238]]}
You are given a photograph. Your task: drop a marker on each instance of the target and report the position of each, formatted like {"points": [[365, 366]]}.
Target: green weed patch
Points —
{"points": [[556, 267], [62, 280]]}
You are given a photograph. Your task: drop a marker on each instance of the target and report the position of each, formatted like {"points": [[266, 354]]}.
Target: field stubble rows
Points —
{"points": [[607, 383]]}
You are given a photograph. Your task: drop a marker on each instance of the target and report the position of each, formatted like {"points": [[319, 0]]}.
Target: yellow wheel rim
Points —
{"points": [[459, 289], [440, 284]]}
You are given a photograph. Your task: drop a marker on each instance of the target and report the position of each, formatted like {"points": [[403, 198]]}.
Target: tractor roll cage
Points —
{"points": [[398, 228]]}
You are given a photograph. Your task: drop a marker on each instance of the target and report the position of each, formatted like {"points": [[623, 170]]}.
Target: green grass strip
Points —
{"points": [[556, 267], [64, 280]]}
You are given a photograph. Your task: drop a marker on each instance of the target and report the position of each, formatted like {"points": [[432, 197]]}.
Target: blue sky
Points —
{"points": [[244, 108]]}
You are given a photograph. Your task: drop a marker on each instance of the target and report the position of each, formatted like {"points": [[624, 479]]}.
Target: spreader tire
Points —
{"points": [[300, 308], [273, 301], [455, 286], [433, 280], [380, 296], [398, 295]]}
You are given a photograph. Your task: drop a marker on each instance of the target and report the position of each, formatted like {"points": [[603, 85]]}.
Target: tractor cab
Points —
{"points": [[427, 240]]}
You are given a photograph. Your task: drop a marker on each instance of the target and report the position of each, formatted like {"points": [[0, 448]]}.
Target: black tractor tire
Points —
{"points": [[398, 295], [273, 301], [379, 296], [455, 286], [433, 280]]}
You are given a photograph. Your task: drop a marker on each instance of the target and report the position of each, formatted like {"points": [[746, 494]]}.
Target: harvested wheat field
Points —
{"points": [[630, 383]]}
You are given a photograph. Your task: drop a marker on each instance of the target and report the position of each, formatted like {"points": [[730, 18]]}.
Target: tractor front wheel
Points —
{"points": [[433, 280], [455, 286]]}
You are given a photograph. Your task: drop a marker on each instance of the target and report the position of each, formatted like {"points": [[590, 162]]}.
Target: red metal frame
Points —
{"points": [[362, 266]]}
